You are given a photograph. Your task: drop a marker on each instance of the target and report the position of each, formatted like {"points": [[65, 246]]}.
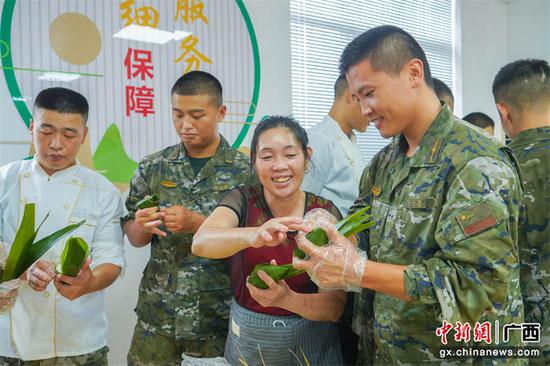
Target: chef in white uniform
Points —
{"points": [[57, 317]]}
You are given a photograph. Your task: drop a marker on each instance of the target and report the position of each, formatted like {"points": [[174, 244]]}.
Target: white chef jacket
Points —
{"points": [[337, 164], [45, 324]]}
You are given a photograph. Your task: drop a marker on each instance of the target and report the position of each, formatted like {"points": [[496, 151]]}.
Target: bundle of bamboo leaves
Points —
{"points": [[24, 250], [350, 225]]}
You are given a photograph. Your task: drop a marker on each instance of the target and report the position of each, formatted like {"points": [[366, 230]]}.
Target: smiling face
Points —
{"points": [[57, 138], [280, 162], [196, 119], [385, 100]]}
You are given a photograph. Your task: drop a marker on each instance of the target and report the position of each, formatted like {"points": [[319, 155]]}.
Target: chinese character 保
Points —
{"points": [[139, 100], [193, 9], [146, 15], [192, 57], [138, 62]]}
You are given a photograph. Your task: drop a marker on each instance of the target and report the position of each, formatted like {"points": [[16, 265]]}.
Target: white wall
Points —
{"points": [[494, 33], [271, 20]]}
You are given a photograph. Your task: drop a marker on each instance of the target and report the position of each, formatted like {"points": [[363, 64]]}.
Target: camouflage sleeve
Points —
{"points": [[477, 237], [364, 199], [138, 189]]}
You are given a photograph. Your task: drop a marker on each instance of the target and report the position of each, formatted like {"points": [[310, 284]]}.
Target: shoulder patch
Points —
{"points": [[435, 151], [476, 219]]}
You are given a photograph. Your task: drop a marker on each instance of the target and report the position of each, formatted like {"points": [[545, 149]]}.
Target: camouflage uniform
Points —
{"points": [[532, 148], [450, 214], [95, 358], [184, 298]]}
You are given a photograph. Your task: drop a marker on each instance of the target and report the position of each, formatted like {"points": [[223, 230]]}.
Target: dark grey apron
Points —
{"points": [[257, 339]]}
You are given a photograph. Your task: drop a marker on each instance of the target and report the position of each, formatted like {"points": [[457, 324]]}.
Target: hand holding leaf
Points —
{"points": [[24, 250]]}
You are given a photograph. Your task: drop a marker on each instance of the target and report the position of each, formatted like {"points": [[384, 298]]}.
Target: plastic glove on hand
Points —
{"points": [[337, 266]]}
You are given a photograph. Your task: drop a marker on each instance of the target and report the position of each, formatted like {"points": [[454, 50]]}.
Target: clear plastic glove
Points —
{"points": [[8, 289], [318, 216], [8, 294], [4, 251], [337, 266], [40, 274]]}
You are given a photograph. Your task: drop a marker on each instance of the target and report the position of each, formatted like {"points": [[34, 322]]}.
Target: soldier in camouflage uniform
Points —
{"points": [[183, 303], [522, 93], [446, 201]]}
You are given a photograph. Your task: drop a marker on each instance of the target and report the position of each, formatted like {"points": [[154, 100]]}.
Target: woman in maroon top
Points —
{"points": [[291, 322]]}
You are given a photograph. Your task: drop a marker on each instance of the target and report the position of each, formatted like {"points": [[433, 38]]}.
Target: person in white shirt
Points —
{"points": [[337, 164], [57, 318], [334, 173]]}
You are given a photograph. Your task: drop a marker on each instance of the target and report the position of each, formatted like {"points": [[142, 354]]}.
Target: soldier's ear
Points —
{"points": [[415, 72], [221, 112], [504, 113], [505, 117]]}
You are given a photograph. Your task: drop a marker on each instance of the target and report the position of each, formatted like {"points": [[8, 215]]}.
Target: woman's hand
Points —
{"points": [[274, 231], [276, 294]]}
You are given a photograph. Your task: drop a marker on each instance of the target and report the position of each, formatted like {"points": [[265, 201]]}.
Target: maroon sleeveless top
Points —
{"points": [[249, 204]]}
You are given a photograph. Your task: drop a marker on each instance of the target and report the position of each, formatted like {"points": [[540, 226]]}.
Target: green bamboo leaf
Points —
{"points": [[317, 236], [360, 228], [148, 201], [351, 218], [73, 257], [23, 238], [278, 273], [39, 248]]}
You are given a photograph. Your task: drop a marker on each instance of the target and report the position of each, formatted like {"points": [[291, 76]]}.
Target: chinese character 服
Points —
{"points": [[190, 9]]}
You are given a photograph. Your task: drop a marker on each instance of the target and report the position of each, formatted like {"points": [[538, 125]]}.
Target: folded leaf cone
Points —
{"points": [[350, 225], [276, 272], [73, 257]]}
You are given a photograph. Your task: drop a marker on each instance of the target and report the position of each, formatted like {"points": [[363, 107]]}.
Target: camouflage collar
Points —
{"points": [[431, 145], [224, 154], [531, 136]]}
